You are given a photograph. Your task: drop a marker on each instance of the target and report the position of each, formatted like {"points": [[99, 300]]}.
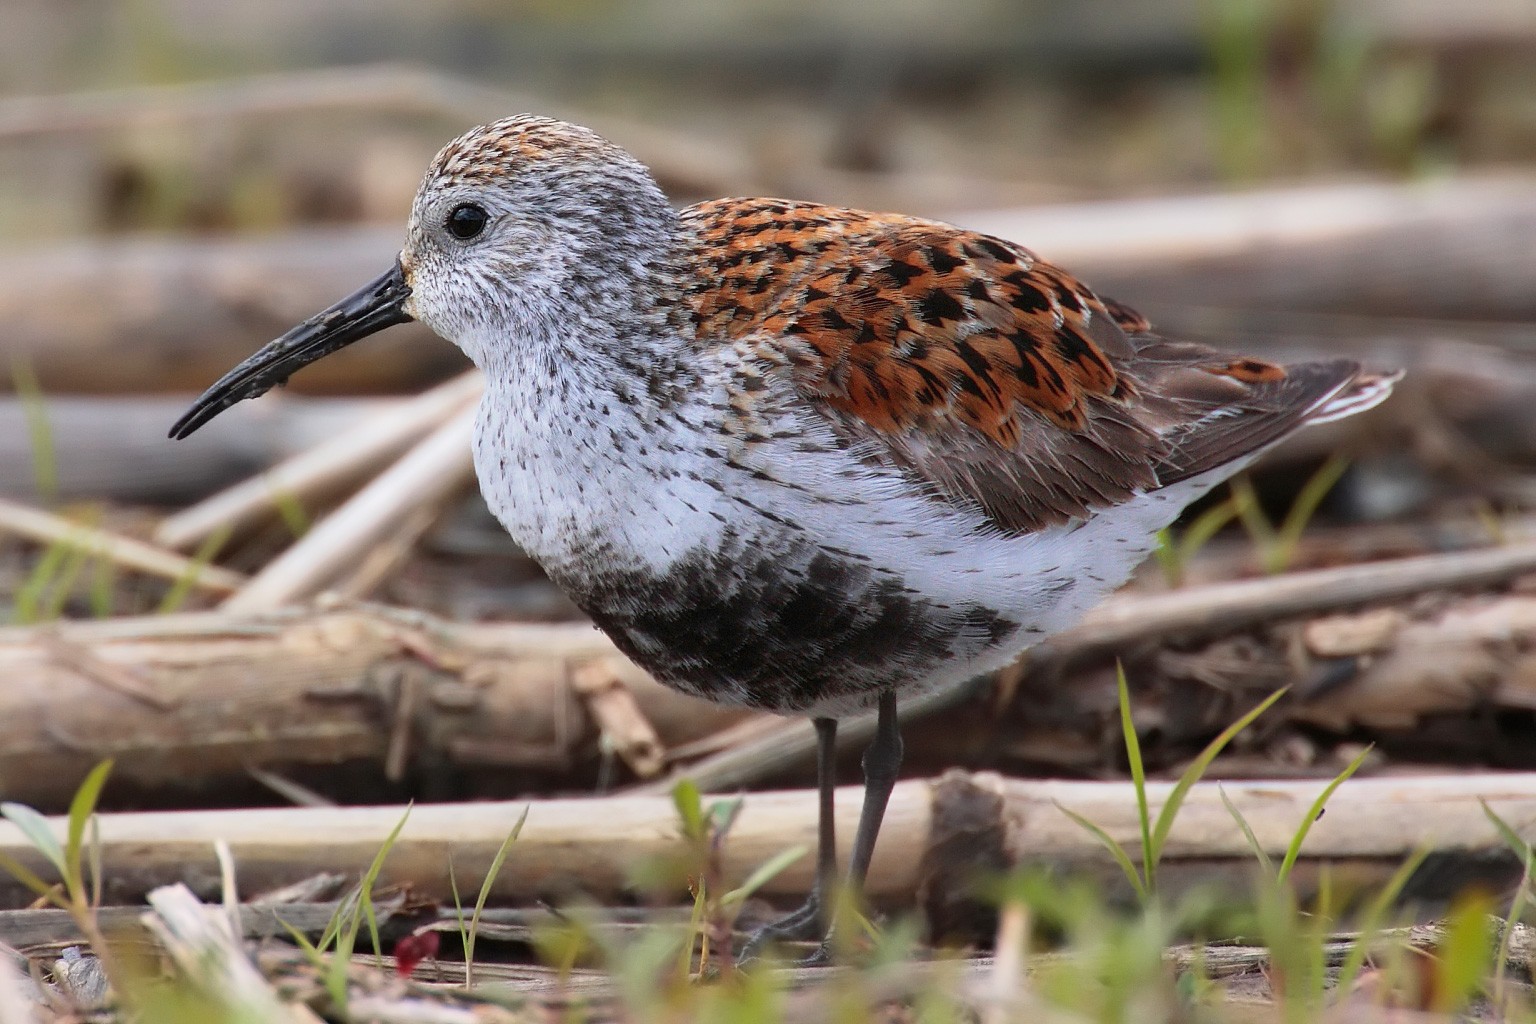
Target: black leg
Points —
{"points": [[814, 918], [882, 763]]}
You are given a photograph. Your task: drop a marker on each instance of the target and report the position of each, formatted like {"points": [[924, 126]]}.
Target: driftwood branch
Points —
{"points": [[195, 696], [47, 529], [189, 309], [1355, 247], [938, 836], [344, 458], [189, 699], [429, 474], [114, 448], [1228, 607], [681, 160]]}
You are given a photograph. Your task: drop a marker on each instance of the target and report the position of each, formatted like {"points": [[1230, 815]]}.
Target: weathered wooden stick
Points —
{"points": [[1228, 607], [114, 448], [1355, 247], [938, 835], [46, 528], [192, 698], [1472, 653], [426, 476], [189, 309], [175, 719], [342, 459], [681, 159]]}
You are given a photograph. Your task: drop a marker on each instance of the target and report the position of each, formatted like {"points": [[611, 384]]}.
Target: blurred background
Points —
{"points": [[182, 180], [200, 116]]}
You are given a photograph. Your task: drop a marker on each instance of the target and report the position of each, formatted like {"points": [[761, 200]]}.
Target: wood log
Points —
{"points": [[191, 699], [940, 837], [202, 695], [683, 161], [159, 314], [1355, 248], [114, 448]]}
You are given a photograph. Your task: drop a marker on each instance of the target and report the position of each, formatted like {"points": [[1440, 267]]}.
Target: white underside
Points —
{"points": [[559, 482]]}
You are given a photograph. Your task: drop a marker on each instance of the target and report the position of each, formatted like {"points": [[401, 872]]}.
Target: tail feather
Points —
{"points": [[1306, 394], [1366, 391]]}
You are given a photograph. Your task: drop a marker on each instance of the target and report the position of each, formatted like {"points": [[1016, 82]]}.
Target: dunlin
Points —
{"points": [[795, 457]]}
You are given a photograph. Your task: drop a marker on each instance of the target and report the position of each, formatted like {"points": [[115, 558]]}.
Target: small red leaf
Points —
{"points": [[413, 949]]}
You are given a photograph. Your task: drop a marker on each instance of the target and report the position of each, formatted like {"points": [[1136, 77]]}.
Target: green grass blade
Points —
{"points": [[1527, 855], [45, 463], [1259, 852], [721, 815], [1115, 849], [181, 589], [1315, 812], [81, 808], [35, 827], [291, 512], [458, 909], [1375, 914], [1167, 555], [1308, 499], [1197, 768], [1463, 953], [27, 877], [97, 877], [1497, 989], [103, 590], [370, 915], [311, 952], [764, 873], [365, 889], [75, 559], [1245, 502], [29, 595], [338, 920], [348, 923], [1138, 778], [1204, 527], [695, 933], [690, 808], [485, 891], [1517, 845]]}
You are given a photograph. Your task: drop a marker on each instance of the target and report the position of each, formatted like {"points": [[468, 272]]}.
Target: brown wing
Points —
{"points": [[993, 377]]}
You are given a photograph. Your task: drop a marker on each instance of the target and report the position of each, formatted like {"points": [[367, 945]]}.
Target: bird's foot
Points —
{"points": [[798, 926]]}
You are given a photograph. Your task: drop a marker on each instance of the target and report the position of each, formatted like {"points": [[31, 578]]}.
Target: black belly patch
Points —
{"points": [[779, 624]]}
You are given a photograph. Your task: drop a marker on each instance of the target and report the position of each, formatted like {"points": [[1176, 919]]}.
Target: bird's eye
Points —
{"points": [[467, 220]]}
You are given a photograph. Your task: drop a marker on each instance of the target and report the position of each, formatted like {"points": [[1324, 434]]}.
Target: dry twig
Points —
{"points": [[434, 470], [348, 455], [46, 528]]}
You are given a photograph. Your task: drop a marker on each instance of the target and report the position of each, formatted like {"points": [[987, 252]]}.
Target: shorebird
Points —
{"points": [[795, 457]]}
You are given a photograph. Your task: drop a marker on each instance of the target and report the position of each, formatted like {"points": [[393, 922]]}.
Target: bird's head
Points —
{"points": [[517, 224]]}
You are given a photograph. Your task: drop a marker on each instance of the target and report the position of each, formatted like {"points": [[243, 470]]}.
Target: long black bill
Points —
{"points": [[369, 310]]}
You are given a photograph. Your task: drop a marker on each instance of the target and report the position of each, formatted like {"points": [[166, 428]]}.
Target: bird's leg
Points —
{"points": [[882, 764], [813, 918]]}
